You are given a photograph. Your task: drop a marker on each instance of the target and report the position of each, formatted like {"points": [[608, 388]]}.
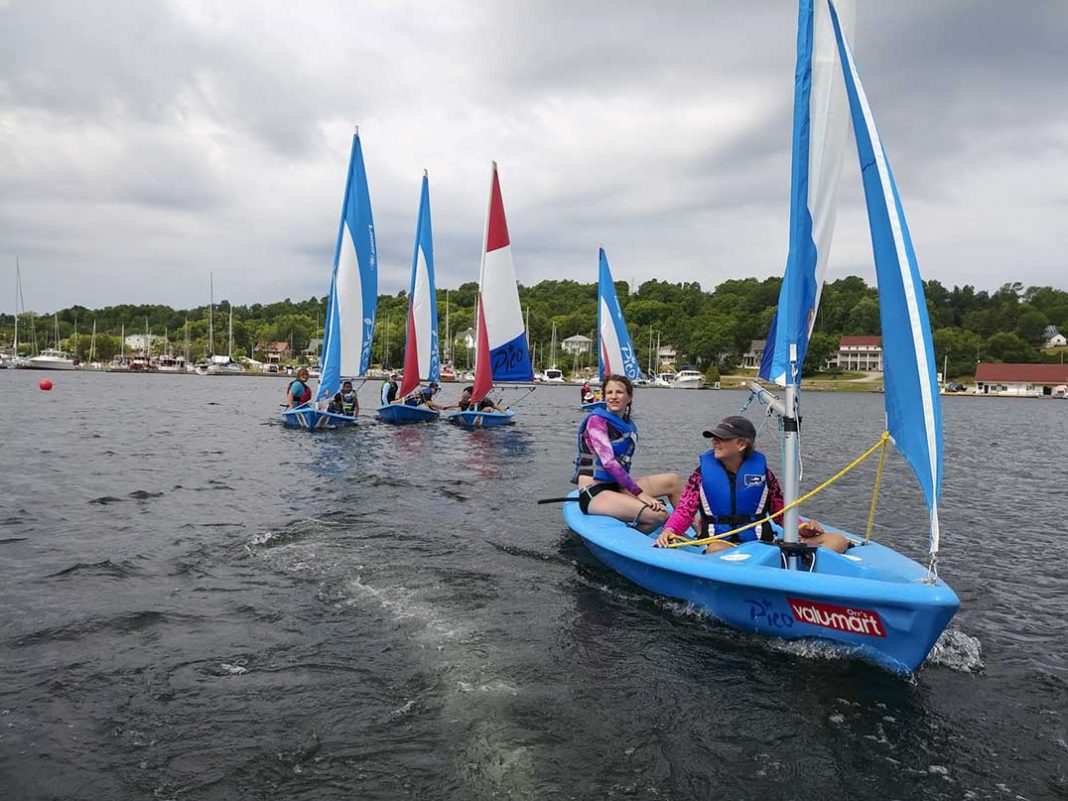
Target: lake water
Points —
{"points": [[200, 604]]}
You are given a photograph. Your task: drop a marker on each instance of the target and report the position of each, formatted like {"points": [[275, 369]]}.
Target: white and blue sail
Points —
{"points": [[421, 359], [913, 405], [820, 130], [616, 355], [350, 311]]}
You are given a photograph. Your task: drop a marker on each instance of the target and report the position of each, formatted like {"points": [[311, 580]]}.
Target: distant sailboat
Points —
{"points": [[553, 374], [421, 358], [502, 353], [351, 304], [615, 354]]}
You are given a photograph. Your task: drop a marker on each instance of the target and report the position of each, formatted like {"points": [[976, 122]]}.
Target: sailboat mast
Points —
{"points": [[230, 344], [448, 342], [18, 291], [92, 344], [211, 315]]}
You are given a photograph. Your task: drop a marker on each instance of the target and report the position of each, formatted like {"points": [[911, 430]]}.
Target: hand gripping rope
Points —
{"points": [[880, 445]]}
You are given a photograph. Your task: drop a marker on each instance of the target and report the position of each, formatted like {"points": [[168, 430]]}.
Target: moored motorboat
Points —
{"points": [[51, 359], [688, 379]]}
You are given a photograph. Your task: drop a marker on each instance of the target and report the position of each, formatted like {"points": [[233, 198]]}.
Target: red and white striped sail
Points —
{"points": [[502, 353]]}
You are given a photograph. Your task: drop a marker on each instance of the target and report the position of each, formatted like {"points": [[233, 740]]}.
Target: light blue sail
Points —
{"points": [[820, 130], [353, 294], [422, 353], [913, 406], [615, 354]]}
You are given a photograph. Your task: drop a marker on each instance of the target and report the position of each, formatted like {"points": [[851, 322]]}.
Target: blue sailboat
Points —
{"points": [[871, 601], [351, 304], [502, 353], [615, 354], [421, 359]]}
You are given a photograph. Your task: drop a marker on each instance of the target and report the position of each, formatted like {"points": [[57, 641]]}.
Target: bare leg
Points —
{"points": [[662, 484], [624, 506]]}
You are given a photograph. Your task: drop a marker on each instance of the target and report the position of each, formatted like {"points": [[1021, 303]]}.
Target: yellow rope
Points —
{"points": [[855, 463], [875, 491]]}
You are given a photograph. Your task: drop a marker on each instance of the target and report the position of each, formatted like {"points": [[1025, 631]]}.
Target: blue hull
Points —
{"points": [[589, 407], [871, 600], [312, 419], [482, 419], [401, 413]]}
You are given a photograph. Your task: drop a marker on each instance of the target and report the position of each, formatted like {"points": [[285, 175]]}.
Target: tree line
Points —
{"points": [[705, 327]]}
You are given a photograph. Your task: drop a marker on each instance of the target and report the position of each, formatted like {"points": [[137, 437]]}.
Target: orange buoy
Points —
{"points": [[45, 384]]}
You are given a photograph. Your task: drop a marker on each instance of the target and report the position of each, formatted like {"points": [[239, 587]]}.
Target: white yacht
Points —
{"points": [[554, 375], [51, 359], [663, 380], [688, 379]]}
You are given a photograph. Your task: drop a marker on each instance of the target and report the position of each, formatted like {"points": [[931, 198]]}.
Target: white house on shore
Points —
{"points": [[1021, 380], [577, 344], [862, 354], [1053, 338]]}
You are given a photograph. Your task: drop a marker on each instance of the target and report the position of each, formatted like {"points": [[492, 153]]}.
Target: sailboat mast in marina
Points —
{"points": [[351, 302]]}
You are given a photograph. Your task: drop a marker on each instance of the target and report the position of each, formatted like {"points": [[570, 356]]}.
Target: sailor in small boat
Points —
{"points": [[389, 390], [299, 392], [484, 405], [345, 402], [733, 486], [607, 439], [424, 396], [588, 395]]}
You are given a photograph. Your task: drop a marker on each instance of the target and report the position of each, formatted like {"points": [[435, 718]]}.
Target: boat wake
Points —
{"points": [[957, 651]]}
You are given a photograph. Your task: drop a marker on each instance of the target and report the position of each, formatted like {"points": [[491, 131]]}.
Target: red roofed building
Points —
{"points": [[1027, 380], [863, 354]]}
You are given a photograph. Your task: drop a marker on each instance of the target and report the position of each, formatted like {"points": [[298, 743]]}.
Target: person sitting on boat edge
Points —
{"points": [[345, 401], [607, 439], [299, 392], [389, 390], [484, 405], [733, 486], [424, 396]]}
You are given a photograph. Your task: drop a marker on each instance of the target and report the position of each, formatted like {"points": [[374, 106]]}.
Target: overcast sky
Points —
{"points": [[145, 144]]}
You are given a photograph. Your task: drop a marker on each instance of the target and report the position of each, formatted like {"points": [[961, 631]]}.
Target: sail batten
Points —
{"points": [[353, 295], [615, 354], [913, 406]]}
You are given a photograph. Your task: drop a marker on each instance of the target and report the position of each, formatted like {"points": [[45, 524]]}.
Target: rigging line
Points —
{"points": [[852, 465], [875, 491]]}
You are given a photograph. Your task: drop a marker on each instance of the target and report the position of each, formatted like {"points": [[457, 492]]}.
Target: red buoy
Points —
{"points": [[45, 384]]}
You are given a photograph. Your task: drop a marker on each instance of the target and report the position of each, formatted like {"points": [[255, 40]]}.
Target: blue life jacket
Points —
{"points": [[732, 501], [624, 437]]}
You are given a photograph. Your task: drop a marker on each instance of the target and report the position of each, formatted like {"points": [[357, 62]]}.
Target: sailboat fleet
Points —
{"points": [[871, 601]]}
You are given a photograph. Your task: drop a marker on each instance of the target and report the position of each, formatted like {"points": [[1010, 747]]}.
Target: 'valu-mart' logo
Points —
{"points": [[840, 618]]}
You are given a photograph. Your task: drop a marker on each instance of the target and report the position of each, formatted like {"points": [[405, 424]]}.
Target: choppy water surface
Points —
{"points": [[199, 604]]}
